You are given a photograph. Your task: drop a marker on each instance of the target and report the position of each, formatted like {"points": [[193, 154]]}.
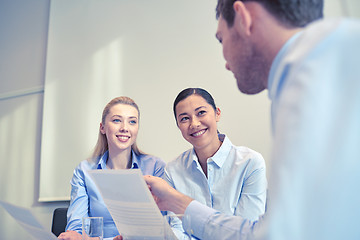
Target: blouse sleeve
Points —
{"points": [[159, 168], [79, 203], [253, 194]]}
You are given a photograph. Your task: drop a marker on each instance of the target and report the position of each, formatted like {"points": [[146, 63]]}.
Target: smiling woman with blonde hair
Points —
{"points": [[115, 149]]}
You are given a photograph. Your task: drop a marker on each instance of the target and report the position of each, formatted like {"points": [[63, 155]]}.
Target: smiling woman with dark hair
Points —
{"points": [[229, 178]]}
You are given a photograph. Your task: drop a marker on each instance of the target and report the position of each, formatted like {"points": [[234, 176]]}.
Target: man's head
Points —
{"points": [[291, 13], [253, 31]]}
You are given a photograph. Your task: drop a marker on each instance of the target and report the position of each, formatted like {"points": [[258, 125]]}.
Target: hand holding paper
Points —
{"points": [[130, 203]]}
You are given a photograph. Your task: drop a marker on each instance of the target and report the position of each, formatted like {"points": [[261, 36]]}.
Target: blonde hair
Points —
{"points": [[102, 145]]}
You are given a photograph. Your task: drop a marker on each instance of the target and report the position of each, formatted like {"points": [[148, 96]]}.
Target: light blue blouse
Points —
{"points": [[314, 86], [86, 199], [236, 183]]}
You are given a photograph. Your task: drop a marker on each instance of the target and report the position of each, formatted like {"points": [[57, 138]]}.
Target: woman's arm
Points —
{"points": [[79, 204]]}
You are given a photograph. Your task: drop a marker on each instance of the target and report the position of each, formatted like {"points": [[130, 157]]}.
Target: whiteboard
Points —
{"points": [[149, 51]]}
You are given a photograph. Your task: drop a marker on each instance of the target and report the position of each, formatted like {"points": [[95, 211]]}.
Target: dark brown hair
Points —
{"points": [[291, 13]]}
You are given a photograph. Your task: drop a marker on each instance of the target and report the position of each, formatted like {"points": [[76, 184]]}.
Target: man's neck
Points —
{"points": [[268, 34]]}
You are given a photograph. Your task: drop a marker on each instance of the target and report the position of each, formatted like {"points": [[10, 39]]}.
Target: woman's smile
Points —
{"points": [[198, 133], [123, 138]]}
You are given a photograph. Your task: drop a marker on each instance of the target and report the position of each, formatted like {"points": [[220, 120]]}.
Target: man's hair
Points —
{"points": [[290, 13]]}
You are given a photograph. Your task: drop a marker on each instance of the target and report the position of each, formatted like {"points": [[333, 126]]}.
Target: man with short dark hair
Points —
{"points": [[310, 68]]}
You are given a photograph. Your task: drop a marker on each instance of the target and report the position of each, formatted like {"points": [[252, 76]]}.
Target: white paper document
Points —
{"points": [[28, 221], [130, 203]]}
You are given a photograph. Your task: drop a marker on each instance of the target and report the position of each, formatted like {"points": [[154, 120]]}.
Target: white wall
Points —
{"points": [[23, 38], [151, 60], [23, 41]]}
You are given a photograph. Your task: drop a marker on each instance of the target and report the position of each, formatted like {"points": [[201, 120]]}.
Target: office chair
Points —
{"points": [[59, 221]]}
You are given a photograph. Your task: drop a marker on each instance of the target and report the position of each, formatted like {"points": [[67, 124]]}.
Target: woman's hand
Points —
{"points": [[118, 237], [70, 235]]}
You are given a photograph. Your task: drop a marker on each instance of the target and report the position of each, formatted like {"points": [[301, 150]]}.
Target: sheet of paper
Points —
{"points": [[28, 221], [130, 203]]}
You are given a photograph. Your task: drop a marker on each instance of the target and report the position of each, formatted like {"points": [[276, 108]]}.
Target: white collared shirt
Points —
{"points": [[236, 182]]}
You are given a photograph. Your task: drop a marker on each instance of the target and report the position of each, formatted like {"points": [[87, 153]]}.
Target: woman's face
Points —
{"points": [[121, 127], [197, 121]]}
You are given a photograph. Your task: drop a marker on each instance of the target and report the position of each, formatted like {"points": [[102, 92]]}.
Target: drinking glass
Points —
{"points": [[92, 228]]}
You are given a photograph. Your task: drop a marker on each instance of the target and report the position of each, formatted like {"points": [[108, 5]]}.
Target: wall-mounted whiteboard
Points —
{"points": [[148, 50]]}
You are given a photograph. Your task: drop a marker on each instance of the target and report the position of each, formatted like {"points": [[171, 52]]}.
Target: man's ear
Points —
{"points": [[243, 18]]}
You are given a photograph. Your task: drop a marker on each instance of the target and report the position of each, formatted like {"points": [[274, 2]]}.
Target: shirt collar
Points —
{"points": [[221, 154], [274, 81], [102, 161], [135, 160]]}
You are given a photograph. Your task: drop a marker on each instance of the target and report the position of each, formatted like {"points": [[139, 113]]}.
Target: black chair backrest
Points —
{"points": [[59, 221]]}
